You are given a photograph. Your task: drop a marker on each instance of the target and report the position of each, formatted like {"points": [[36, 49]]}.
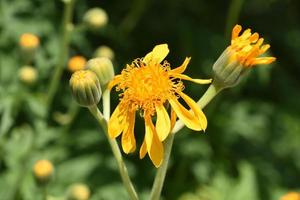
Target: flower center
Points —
{"points": [[146, 85]]}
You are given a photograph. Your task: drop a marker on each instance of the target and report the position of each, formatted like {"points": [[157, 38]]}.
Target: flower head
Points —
{"points": [[291, 196], [243, 53], [29, 41], [43, 170], [28, 75], [76, 63], [148, 85], [78, 191]]}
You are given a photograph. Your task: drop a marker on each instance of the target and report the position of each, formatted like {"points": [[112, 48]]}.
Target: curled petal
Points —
{"points": [[154, 146], [158, 54], [116, 123], [185, 77], [236, 31], [128, 139], [143, 149], [173, 119], [117, 79], [163, 124], [181, 68], [197, 120], [263, 60]]}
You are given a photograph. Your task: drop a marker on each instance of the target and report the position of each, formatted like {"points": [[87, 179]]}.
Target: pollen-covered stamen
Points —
{"points": [[146, 85]]}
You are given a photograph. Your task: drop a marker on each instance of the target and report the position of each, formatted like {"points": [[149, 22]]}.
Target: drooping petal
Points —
{"points": [[158, 54], [173, 119], [182, 67], [197, 120], [163, 124], [154, 146], [116, 123], [185, 77], [114, 82], [143, 149], [128, 139]]}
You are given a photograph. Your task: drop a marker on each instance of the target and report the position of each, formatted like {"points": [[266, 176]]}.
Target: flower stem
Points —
{"points": [[66, 29], [113, 144], [210, 93]]}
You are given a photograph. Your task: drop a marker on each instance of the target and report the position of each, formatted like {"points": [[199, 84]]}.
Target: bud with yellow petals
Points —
{"points": [[29, 41], [86, 88], [104, 51], [103, 68], [43, 171], [76, 63], [291, 196]]}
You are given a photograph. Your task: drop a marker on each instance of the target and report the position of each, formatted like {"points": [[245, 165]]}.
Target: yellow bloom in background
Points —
{"points": [[246, 48], [243, 53], [147, 85], [76, 63], [29, 41], [291, 196], [43, 171]]}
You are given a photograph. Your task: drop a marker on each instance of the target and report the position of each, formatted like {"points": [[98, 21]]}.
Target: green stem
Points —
{"points": [[210, 93], [66, 26], [45, 192], [233, 15], [114, 146]]}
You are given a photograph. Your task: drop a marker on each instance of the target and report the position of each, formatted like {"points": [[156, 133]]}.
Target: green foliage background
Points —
{"points": [[251, 149]]}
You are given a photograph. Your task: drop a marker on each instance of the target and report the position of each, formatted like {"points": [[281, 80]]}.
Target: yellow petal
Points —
{"points": [[185, 77], [197, 120], [236, 31], [158, 54], [163, 124], [116, 123], [143, 149], [263, 60], [128, 139], [181, 68], [154, 146], [173, 119], [114, 82]]}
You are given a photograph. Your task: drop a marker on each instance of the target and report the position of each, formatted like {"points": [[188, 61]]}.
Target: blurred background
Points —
{"points": [[251, 149]]}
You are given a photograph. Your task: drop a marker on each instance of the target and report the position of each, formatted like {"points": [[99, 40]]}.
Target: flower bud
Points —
{"points": [[76, 63], [243, 54], [291, 196], [78, 191], [95, 18], [43, 171], [29, 41], [103, 68], [28, 75], [85, 87], [104, 51]]}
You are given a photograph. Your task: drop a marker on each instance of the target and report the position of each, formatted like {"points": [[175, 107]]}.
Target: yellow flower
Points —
{"points": [[76, 63], [246, 48], [43, 170], [147, 86], [239, 57], [29, 41], [291, 196]]}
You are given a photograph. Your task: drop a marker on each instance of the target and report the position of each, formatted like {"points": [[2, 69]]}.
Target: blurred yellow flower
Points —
{"points": [[104, 51], [28, 74], [76, 63], [291, 196], [78, 191], [29, 41], [147, 86], [246, 48], [43, 170]]}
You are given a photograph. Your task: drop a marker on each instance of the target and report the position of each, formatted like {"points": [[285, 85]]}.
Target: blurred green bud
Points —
{"points": [[78, 191], [43, 171], [28, 75], [85, 87], [95, 18], [104, 51], [103, 68]]}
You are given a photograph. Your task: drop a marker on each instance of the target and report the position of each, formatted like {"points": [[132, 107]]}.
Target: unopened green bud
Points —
{"points": [[43, 171], [103, 68], [86, 88], [104, 51], [227, 73], [78, 191], [95, 18]]}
